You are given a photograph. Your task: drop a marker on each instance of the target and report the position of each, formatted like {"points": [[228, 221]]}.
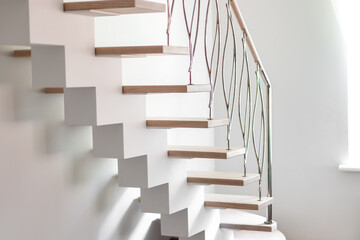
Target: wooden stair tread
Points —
{"points": [[22, 53], [53, 90], [114, 7], [239, 220], [167, 88], [214, 152], [236, 201], [221, 178], [141, 50], [186, 122]]}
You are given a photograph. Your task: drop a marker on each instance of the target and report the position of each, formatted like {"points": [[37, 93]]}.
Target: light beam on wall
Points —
{"points": [[349, 18], [112, 221]]}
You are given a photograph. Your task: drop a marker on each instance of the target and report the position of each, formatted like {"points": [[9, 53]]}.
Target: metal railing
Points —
{"points": [[215, 54], [261, 74]]}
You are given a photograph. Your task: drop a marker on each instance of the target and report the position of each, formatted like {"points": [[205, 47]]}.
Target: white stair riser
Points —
{"points": [[48, 66]]}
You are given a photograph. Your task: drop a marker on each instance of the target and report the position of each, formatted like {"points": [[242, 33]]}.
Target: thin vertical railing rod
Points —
{"points": [[245, 128], [265, 78], [212, 60], [170, 10], [229, 96], [189, 23]]}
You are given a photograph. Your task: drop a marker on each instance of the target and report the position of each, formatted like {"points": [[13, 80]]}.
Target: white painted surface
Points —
{"points": [[302, 50]]}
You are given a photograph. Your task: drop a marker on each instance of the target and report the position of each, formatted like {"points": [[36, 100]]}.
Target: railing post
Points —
{"points": [[269, 217]]}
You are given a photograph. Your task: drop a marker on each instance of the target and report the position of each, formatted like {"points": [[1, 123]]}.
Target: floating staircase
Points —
{"points": [[195, 215]]}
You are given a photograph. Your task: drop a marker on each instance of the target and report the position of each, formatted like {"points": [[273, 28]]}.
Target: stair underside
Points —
{"points": [[204, 152], [236, 201], [114, 7], [221, 178], [141, 51], [185, 122], [22, 53], [239, 220], [167, 88]]}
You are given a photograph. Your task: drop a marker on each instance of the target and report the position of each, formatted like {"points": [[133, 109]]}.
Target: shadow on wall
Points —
{"points": [[155, 231], [131, 217], [109, 195], [134, 217]]}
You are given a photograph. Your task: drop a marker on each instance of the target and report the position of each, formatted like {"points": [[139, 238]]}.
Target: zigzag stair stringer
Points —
{"points": [[160, 178]]}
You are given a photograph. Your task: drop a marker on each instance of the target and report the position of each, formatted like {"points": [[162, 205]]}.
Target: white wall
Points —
{"points": [[302, 50]]}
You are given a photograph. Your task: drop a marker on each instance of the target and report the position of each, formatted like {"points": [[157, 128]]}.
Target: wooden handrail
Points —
{"points": [[249, 41]]}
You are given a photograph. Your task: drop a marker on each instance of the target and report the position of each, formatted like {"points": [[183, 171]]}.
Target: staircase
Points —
{"points": [[59, 36]]}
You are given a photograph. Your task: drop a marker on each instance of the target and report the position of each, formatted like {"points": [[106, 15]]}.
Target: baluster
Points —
{"points": [[229, 96], [260, 151], [245, 126], [215, 51], [170, 10], [190, 29]]}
